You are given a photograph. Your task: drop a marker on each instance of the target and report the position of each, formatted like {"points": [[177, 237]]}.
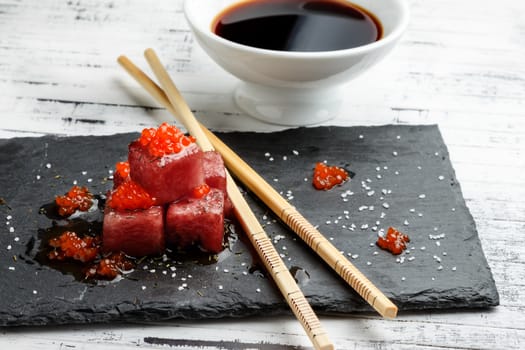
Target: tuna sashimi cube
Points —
{"points": [[197, 221], [135, 232], [214, 171], [215, 176], [169, 177]]}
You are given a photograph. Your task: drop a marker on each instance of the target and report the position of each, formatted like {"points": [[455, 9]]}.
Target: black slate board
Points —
{"points": [[406, 167]]}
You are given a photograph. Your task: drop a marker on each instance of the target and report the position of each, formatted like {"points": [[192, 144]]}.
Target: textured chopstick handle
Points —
{"points": [[308, 233], [333, 257]]}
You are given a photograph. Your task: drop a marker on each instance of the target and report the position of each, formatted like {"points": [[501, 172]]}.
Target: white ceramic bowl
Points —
{"points": [[293, 88]]}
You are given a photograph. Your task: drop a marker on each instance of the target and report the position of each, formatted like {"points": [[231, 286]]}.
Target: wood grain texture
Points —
{"points": [[460, 65]]}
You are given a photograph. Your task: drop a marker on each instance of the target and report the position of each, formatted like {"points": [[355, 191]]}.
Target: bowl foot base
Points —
{"points": [[288, 106]]}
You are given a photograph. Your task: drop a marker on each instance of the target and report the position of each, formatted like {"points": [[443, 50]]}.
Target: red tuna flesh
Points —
{"points": [[167, 178], [197, 221], [136, 232]]}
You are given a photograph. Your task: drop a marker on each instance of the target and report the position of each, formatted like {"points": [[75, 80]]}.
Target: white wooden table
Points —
{"points": [[461, 65]]}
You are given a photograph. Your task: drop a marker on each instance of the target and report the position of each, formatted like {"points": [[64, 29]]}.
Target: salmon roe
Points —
{"points": [[166, 139], [69, 245], [110, 266], [394, 241], [77, 198], [130, 195], [122, 169], [325, 177], [201, 191]]}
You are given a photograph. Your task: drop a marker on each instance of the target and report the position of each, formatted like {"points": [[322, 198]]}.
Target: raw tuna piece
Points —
{"points": [[135, 232], [197, 221], [215, 176], [214, 171], [167, 178]]}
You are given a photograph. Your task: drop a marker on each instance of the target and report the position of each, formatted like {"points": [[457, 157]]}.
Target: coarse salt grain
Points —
{"points": [[386, 205], [38, 177], [11, 229], [421, 196], [48, 165], [441, 178]]}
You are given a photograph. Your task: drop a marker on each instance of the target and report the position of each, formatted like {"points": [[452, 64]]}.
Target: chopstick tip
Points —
{"points": [[390, 312]]}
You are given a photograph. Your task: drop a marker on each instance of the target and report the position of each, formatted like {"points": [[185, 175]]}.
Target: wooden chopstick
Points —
{"points": [[330, 254], [304, 229], [259, 239]]}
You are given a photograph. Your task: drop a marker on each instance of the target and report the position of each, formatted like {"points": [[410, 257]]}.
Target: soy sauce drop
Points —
{"points": [[298, 25]]}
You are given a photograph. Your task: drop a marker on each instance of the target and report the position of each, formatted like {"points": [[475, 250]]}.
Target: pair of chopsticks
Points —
{"points": [[174, 102]]}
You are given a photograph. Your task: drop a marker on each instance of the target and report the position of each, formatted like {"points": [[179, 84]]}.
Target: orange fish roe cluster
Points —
{"points": [[77, 198], [69, 245], [122, 169], [325, 177], [166, 139], [130, 196], [394, 241], [201, 191], [110, 266]]}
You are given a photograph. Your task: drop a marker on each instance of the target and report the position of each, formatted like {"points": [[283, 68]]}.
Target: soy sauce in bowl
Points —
{"points": [[298, 25]]}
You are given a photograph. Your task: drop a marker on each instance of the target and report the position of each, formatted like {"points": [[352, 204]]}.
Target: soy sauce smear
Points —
{"points": [[298, 25]]}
